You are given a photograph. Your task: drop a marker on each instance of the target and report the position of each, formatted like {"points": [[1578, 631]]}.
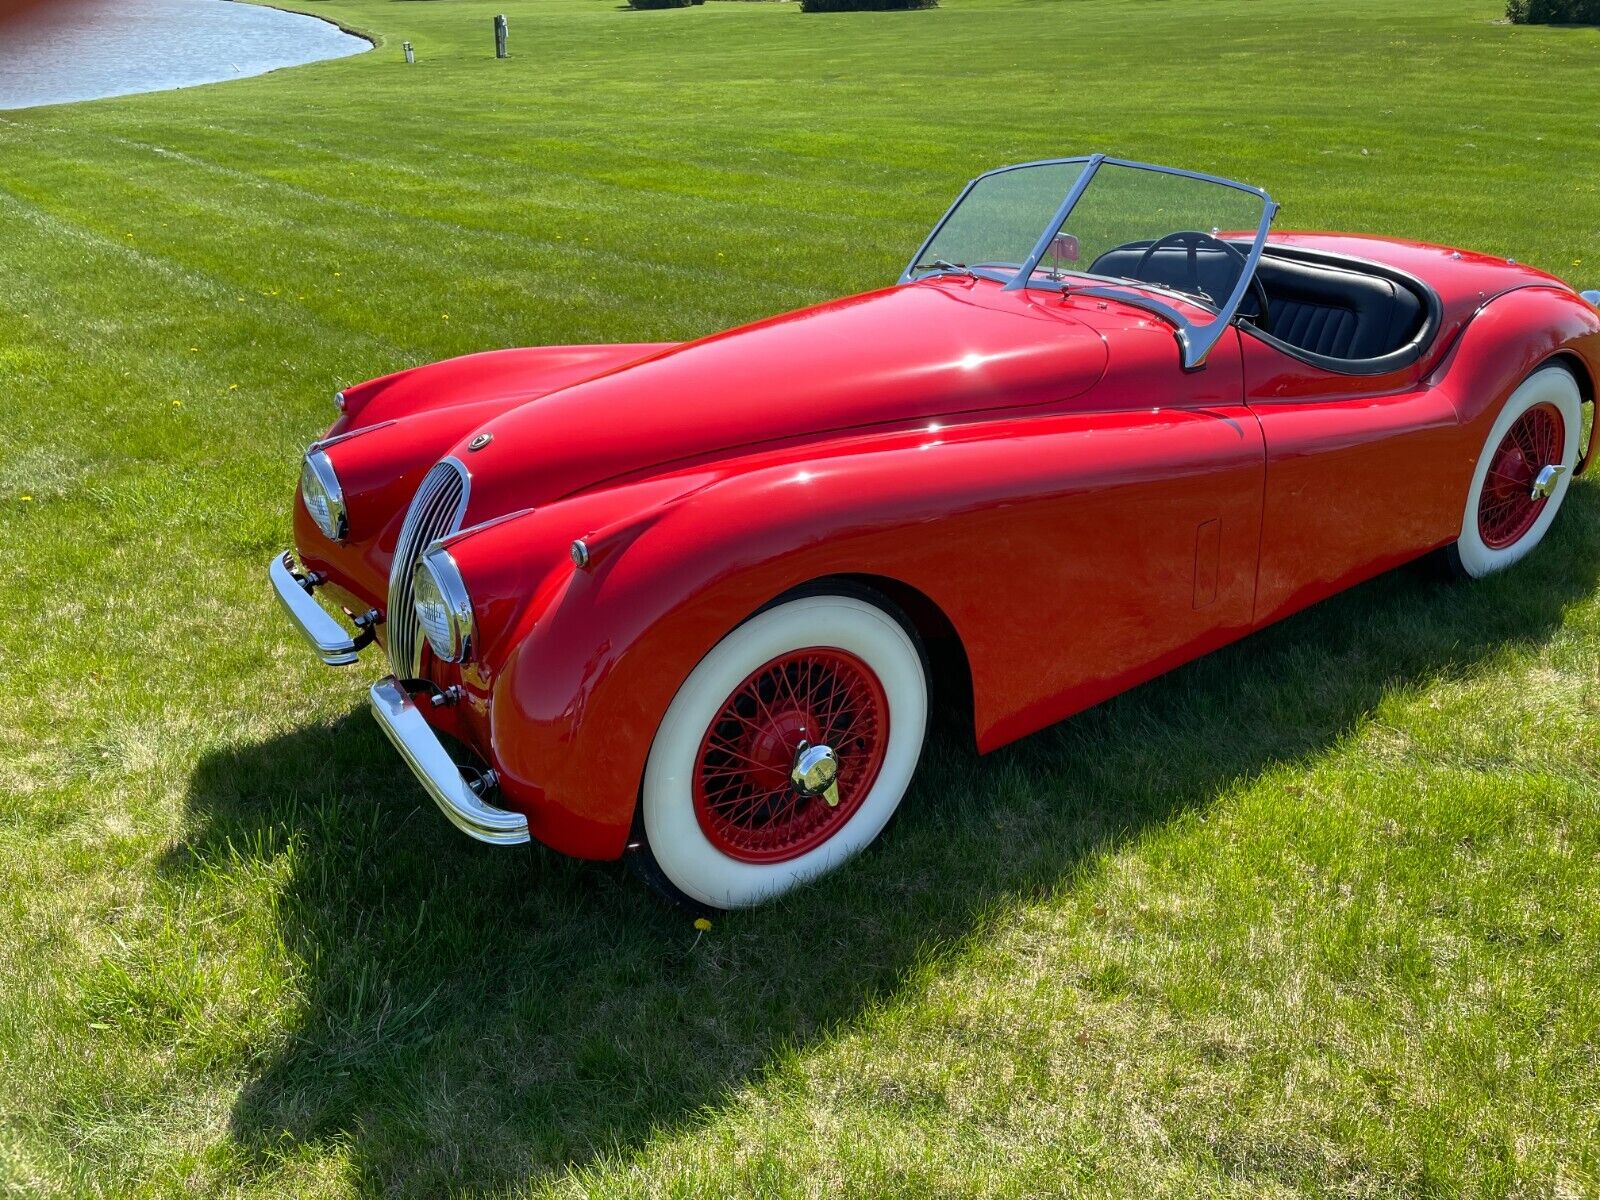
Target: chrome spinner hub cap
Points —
{"points": [[816, 772], [1544, 484]]}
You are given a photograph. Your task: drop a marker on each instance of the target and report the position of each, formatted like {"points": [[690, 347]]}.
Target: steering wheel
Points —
{"points": [[1192, 240]]}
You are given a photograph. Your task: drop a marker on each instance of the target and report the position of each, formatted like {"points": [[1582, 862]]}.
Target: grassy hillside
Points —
{"points": [[1315, 916]]}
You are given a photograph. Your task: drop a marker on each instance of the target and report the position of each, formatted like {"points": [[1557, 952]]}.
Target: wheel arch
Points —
{"points": [[944, 651], [1583, 374], [950, 673]]}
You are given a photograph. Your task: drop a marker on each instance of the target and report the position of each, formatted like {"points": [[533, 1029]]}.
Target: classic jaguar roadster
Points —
{"points": [[692, 604]]}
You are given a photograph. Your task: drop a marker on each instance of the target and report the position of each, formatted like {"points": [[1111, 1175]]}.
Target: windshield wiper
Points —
{"points": [[946, 267]]}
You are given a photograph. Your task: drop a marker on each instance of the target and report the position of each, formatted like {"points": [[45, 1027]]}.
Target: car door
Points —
{"points": [[1360, 474], [1129, 535]]}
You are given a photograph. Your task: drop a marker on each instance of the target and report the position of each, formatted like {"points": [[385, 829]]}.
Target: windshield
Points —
{"points": [[1091, 224]]}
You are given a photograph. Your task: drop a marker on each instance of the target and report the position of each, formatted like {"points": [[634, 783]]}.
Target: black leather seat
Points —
{"points": [[1338, 313], [1330, 311]]}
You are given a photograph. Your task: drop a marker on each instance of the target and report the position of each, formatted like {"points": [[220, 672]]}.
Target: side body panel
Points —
{"points": [[1075, 554], [1361, 475]]}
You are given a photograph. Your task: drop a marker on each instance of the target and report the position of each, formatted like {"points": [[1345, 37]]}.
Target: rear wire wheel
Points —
{"points": [[785, 752], [1522, 475]]}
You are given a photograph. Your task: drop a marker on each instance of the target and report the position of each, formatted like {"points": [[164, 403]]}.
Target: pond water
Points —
{"points": [[94, 48]]}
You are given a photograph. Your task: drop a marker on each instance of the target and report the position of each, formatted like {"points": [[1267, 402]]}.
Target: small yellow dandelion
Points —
{"points": [[233, 387], [25, 499], [194, 349], [177, 404], [702, 924], [446, 316]]}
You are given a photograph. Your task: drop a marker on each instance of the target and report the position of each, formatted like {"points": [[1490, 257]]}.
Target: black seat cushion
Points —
{"points": [[1338, 313]]}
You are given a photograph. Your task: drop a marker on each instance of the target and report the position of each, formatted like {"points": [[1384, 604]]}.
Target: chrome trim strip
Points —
{"points": [[403, 723], [332, 643], [324, 443]]}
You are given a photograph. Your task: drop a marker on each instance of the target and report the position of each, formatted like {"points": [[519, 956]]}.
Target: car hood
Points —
{"points": [[903, 355]]}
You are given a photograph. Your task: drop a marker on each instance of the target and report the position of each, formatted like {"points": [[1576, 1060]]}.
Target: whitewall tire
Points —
{"points": [[1538, 428], [727, 820]]}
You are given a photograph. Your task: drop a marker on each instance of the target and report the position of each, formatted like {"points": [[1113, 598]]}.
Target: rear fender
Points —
{"points": [[1512, 335]]}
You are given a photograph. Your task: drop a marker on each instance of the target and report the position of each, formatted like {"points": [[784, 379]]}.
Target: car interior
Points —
{"points": [[1341, 314]]}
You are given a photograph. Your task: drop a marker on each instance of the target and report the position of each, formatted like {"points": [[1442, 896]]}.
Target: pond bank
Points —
{"points": [[104, 48]]}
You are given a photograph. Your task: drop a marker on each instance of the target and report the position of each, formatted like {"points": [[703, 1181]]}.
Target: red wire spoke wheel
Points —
{"points": [[745, 798], [1513, 498], [1507, 507], [785, 751]]}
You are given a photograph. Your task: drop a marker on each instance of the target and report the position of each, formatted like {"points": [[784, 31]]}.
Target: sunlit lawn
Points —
{"points": [[1315, 916]]}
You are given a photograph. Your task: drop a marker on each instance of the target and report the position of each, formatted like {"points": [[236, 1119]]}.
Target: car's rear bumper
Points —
{"points": [[460, 799]]}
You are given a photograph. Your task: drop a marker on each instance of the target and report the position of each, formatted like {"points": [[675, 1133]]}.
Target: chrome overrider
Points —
{"points": [[335, 645], [460, 798]]}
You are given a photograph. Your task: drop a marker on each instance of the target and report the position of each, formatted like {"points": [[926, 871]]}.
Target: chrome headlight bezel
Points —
{"points": [[319, 483], [443, 607]]}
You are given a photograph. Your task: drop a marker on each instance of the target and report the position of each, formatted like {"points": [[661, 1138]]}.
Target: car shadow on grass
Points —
{"points": [[482, 1017]]}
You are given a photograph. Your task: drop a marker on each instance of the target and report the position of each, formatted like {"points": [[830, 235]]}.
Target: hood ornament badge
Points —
{"points": [[479, 442]]}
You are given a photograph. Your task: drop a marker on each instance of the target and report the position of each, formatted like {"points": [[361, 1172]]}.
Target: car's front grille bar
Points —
{"points": [[436, 511]]}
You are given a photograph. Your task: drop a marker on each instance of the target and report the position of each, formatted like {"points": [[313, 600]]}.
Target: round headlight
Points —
{"points": [[324, 498], [444, 610]]}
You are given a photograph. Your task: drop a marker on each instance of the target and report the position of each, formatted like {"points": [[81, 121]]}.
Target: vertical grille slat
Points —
{"points": [[436, 511]]}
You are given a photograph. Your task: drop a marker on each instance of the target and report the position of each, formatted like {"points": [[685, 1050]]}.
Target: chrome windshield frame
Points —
{"points": [[1195, 339], [907, 275]]}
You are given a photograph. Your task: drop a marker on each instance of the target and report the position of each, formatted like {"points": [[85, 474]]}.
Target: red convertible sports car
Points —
{"points": [[691, 604]]}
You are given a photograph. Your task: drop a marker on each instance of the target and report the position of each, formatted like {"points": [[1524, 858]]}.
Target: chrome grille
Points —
{"points": [[436, 511]]}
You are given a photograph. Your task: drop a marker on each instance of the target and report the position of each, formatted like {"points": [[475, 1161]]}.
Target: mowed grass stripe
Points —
{"points": [[480, 251]]}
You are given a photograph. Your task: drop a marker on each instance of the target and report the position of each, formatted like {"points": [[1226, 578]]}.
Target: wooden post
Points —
{"points": [[501, 32], [411, 56]]}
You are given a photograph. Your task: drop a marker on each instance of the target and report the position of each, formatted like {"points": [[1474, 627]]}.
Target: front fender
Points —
{"points": [[506, 376], [580, 687], [394, 428]]}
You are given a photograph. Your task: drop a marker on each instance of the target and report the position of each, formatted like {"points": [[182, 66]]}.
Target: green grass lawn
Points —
{"points": [[1316, 916]]}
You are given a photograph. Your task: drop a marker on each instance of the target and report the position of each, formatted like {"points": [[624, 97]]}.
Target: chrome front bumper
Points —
{"points": [[333, 643], [460, 799], [399, 717]]}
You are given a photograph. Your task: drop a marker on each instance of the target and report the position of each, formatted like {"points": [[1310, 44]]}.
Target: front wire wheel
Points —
{"points": [[1522, 475], [785, 752]]}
